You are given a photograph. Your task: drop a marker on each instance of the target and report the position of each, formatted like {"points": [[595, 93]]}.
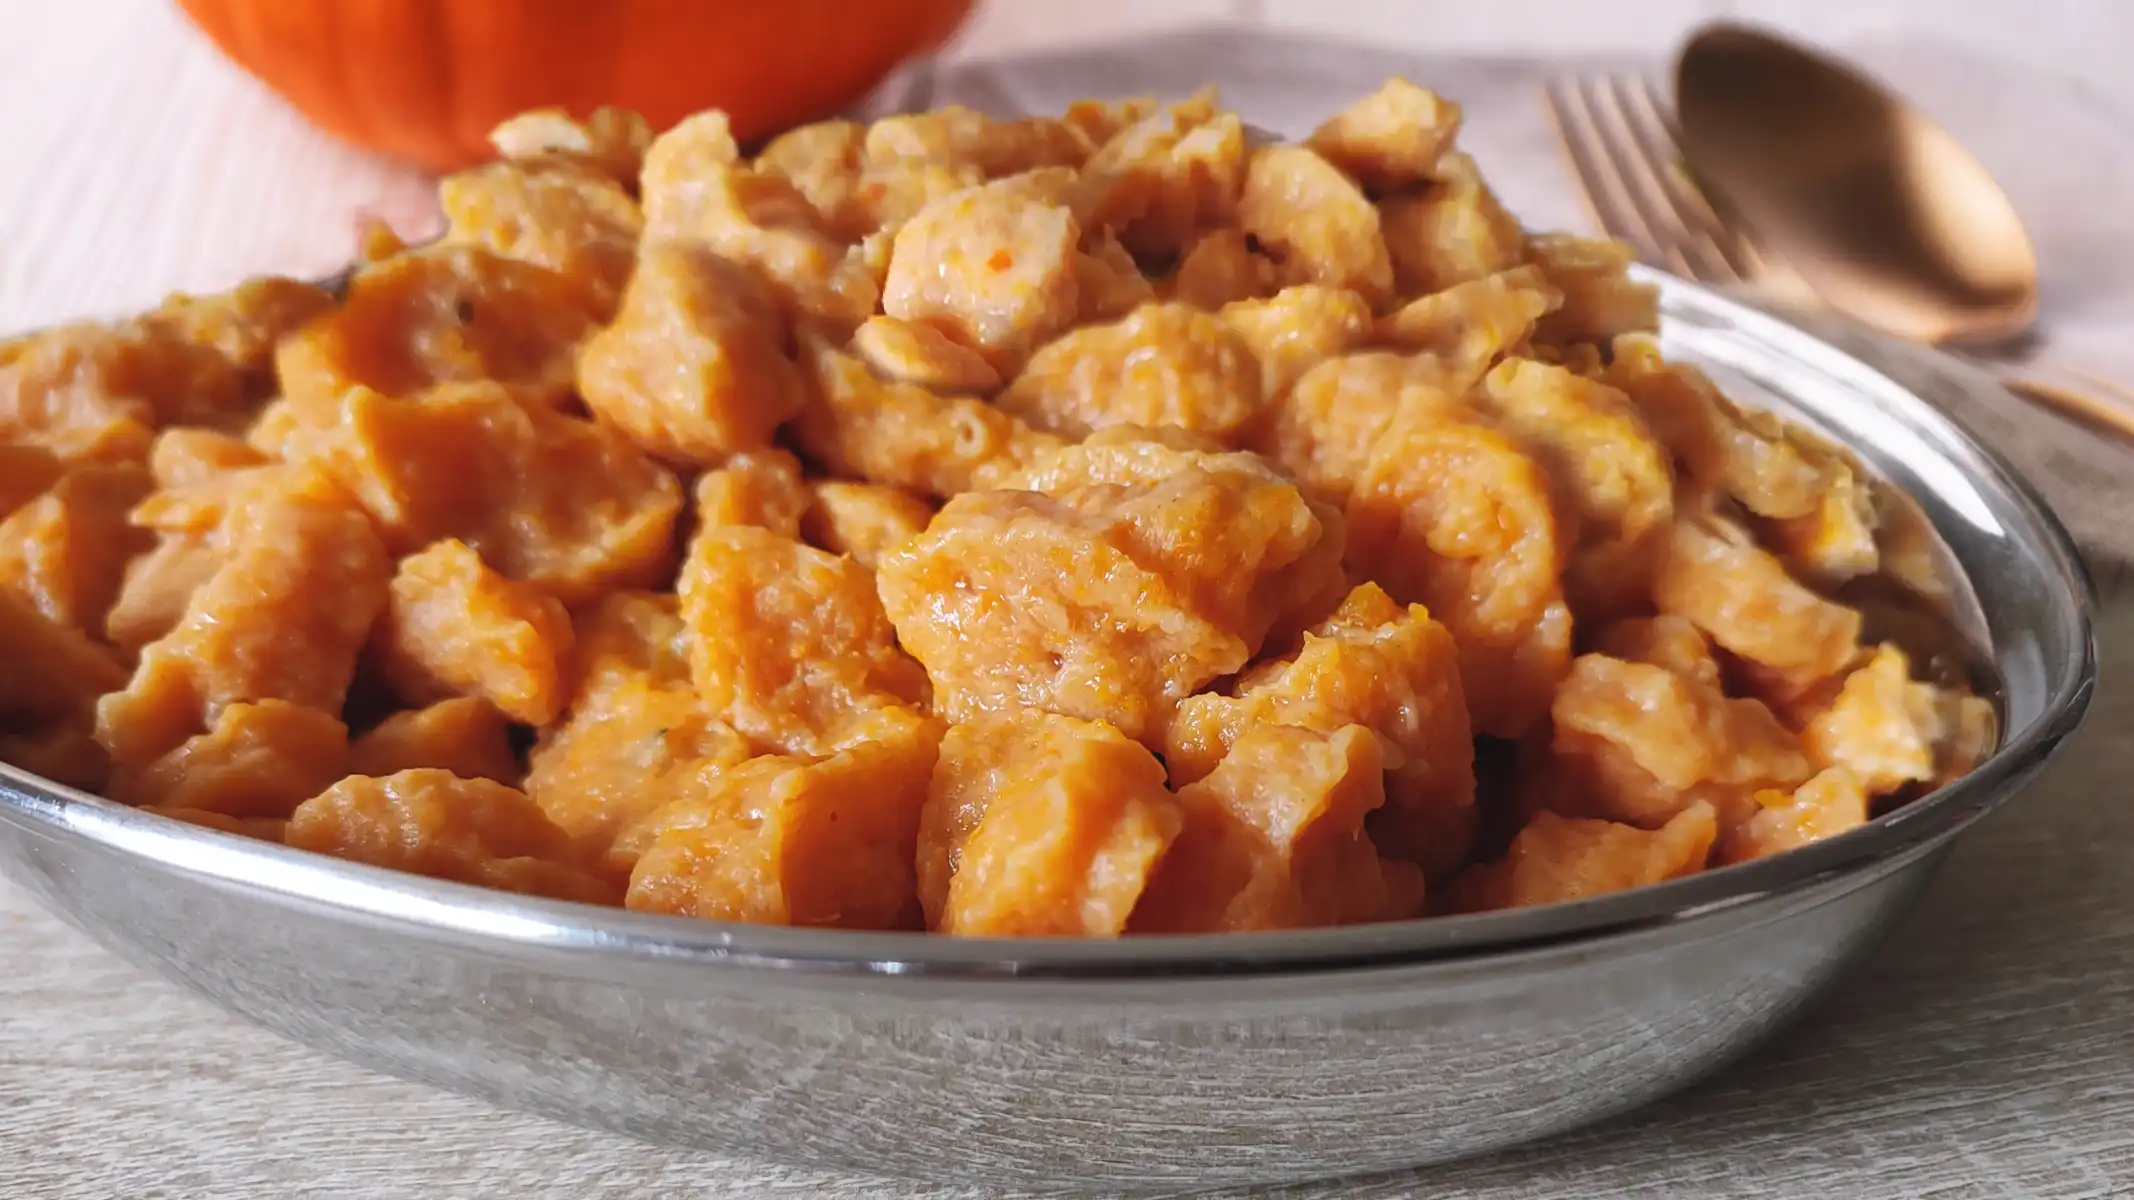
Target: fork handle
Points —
{"points": [[2079, 396]]}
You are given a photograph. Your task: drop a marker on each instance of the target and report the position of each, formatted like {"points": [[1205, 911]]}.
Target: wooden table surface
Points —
{"points": [[1989, 1051]]}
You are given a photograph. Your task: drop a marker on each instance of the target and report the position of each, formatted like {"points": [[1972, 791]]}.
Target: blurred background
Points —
{"points": [[135, 159]]}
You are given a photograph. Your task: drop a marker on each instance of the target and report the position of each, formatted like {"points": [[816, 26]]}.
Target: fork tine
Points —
{"points": [[1649, 166], [1653, 126], [1600, 182]]}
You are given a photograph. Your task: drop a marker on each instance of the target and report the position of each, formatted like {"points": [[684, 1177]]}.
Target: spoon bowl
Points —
{"points": [[1878, 209]]}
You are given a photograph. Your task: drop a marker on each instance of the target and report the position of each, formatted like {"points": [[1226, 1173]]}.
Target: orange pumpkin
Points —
{"points": [[428, 79]]}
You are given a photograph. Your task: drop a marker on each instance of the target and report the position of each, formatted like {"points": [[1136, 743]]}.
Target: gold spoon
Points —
{"points": [[1876, 208]]}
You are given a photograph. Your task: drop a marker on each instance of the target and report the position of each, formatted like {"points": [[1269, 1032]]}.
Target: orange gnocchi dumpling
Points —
{"points": [[900, 435], [1823, 807], [694, 367], [1296, 329], [695, 187], [1740, 595], [1165, 364], [574, 220], [1610, 475], [1037, 824], [910, 352], [434, 823], [567, 505], [1392, 138], [451, 314], [1315, 222], [1557, 859], [264, 829], [1637, 743], [862, 521], [790, 644], [454, 627], [790, 841], [184, 455], [1888, 730], [1457, 516], [156, 588], [257, 760], [68, 549], [242, 325], [629, 635], [1274, 838], [763, 488], [25, 472], [1108, 283], [1166, 178], [1380, 665], [611, 141], [1600, 300], [1470, 325], [1837, 539], [1220, 267], [96, 393], [993, 266], [958, 136], [467, 736], [1450, 233], [282, 618], [1320, 432]]}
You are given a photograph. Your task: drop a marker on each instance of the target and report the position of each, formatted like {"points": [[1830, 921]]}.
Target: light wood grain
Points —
{"points": [[1987, 1052]]}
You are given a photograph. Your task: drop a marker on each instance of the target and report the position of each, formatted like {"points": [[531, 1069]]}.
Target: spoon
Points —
{"points": [[1876, 208]]}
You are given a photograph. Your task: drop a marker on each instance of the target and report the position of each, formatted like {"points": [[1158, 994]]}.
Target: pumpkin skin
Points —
{"points": [[427, 80]]}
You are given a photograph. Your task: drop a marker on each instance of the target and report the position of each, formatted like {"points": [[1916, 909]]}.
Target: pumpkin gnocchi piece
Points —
{"points": [[1273, 838], [1320, 432], [694, 367], [626, 636], [467, 736], [96, 393], [1108, 282], [957, 136], [244, 324], [1298, 328], [1470, 325], [68, 549], [26, 471], [1600, 300], [1166, 364], [822, 160], [1666, 641], [921, 354], [156, 588], [1166, 178], [64, 752], [454, 627], [1220, 267], [282, 618], [695, 188], [454, 313], [1392, 138], [1638, 743], [568, 505], [256, 760], [431, 822], [862, 521], [900, 435], [1315, 222], [788, 841], [1888, 730], [54, 671], [1457, 516], [611, 141], [1824, 807], [624, 751], [1611, 477], [264, 829], [790, 644], [1037, 824], [573, 220], [1743, 597], [992, 266], [764, 489], [1377, 664], [186, 455], [1836, 540], [1556, 859], [1452, 233]]}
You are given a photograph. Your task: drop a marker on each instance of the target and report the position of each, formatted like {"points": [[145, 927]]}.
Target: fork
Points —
{"points": [[1620, 139]]}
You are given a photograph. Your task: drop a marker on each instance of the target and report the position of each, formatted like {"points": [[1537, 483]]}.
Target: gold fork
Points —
{"points": [[1620, 139]]}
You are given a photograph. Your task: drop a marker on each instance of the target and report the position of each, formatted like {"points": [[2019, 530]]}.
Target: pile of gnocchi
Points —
{"points": [[1085, 525]]}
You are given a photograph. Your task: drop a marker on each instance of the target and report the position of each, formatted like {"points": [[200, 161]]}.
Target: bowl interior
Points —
{"points": [[2020, 601]]}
